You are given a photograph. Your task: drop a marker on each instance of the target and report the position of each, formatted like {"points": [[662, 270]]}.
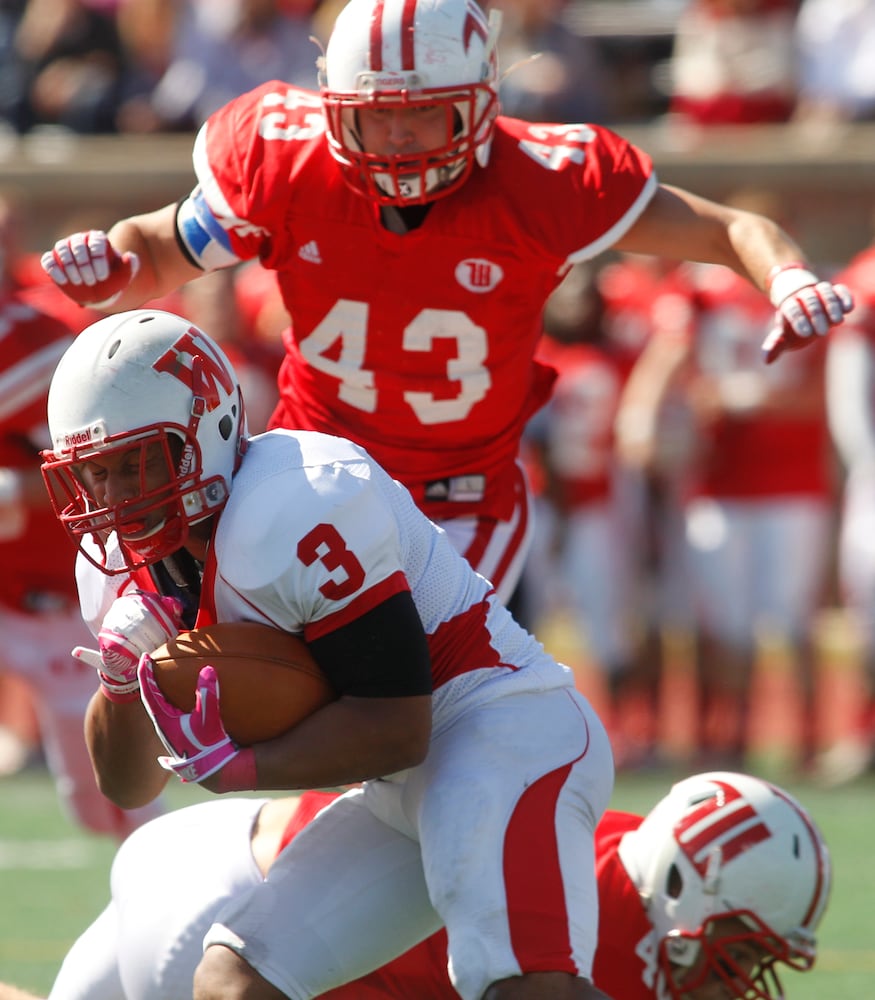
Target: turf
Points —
{"points": [[54, 880]]}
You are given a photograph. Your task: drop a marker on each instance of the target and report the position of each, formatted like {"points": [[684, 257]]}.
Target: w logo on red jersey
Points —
{"points": [[478, 275], [725, 821]]}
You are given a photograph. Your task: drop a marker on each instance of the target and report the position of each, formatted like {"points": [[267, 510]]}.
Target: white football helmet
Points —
{"points": [[399, 54], [128, 382], [723, 845]]}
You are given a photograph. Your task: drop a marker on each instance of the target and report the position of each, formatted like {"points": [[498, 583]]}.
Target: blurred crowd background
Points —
{"points": [[701, 559], [143, 66]]}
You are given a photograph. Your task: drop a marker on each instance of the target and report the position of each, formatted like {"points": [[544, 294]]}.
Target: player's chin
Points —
{"points": [[136, 533]]}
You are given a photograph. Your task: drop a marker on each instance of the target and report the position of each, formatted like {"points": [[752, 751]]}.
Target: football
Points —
{"points": [[268, 680]]}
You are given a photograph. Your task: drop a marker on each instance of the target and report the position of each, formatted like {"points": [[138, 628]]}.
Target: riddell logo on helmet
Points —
{"points": [[78, 438], [390, 81]]}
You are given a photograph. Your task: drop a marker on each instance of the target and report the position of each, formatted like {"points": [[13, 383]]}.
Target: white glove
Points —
{"points": [[805, 305], [136, 623], [89, 270]]}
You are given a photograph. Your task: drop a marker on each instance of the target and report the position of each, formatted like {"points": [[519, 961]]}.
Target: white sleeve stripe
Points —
{"points": [[211, 217], [620, 228], [207, 179]]}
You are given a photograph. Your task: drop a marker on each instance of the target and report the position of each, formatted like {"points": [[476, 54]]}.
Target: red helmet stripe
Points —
{"points": [[475, 24], [406, 41], [820, 885], [720, 820], [734, 833], [376, 59], [407, 35]]}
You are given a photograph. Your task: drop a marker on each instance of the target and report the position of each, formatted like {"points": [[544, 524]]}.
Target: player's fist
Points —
{"points": [[88, 269], [197, 742], [136, 623], [804, 306]]}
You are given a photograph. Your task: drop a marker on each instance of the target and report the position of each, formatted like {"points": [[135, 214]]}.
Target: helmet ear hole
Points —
{"points": [[164, 393], [727, 860], [674, 883]]}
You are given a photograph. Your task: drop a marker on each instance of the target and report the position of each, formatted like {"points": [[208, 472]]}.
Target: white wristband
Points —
{"points": [[787, 282]]}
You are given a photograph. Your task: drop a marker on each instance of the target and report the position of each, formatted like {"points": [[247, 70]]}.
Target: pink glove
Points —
{"points": [[136, 623], [197, 741], [805, 305], [89, 270]]}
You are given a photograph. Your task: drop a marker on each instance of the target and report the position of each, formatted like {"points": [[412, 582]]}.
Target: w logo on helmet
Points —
{"points": [[195, 364], [475, 24], [725, 820]]}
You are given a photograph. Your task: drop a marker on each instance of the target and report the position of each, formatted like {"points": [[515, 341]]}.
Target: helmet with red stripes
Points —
{"points": [[406, 55], [728, 865], [147, 391]]}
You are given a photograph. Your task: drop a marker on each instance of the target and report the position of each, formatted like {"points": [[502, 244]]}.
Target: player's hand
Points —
{"points": [[136, 623], [197, 741], [804, 305], [88, 269]]}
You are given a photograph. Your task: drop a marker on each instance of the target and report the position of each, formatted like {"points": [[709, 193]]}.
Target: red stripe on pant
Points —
{"points": [[536, 910]]}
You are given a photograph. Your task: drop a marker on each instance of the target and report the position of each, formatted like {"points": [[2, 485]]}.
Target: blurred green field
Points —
{"points": [[54, 880]]}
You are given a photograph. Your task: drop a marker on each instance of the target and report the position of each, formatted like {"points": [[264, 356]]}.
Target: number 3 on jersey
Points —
{"points": [[347, 322], [325, 543]]}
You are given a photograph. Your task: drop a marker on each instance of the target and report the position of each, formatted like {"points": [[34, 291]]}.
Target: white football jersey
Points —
{"points": [[316, 534]]}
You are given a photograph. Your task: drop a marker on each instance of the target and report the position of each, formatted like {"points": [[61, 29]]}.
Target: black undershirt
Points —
{"points": [[381, 654]]}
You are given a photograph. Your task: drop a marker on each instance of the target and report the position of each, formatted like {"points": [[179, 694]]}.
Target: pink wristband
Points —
{"points": [[119, 697], [239, 774]]}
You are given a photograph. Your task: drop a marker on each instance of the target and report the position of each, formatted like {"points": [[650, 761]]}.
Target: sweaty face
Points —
{"points": [[392, 130], [129, 482], [408, 148]]}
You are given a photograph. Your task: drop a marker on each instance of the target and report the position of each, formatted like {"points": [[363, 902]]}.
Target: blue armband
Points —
{"points": [[201, 235]]}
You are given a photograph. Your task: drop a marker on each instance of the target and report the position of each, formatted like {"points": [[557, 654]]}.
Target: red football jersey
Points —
{"points": [[418, 346], [758, 455], [625, 957], [39, 561], [579, 435], [859, 276], [628, 287], [624, 963]]}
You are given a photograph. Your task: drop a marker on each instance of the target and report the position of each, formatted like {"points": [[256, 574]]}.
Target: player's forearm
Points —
{"points": [[756, 245], [163, 267], [683, 226], [350, 740], [124, 751]]}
